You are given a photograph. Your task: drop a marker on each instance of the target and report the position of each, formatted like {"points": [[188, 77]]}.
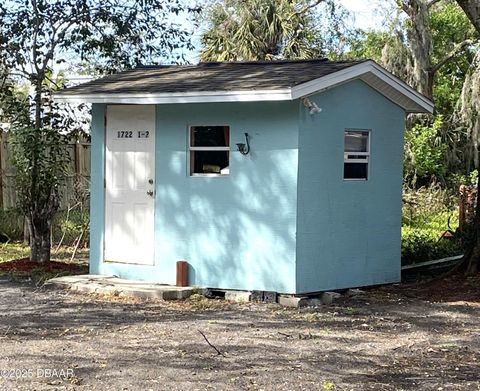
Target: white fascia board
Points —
{"points": [[403, 88], [187, 97], [302, 90], [355, 71], [329, 81]]}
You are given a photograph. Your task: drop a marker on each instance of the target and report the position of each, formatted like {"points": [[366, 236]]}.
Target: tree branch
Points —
{"points": [[52, 81], [57, 35], [404, 7], [433, 2], [455, 51], [35, 35], [313, 5]]}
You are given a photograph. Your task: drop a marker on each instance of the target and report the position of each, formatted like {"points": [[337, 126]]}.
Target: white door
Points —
{"points": [[129, 184]]}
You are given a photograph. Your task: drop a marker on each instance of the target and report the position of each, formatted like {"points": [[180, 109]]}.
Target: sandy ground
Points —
{"points": [[387, 339]]}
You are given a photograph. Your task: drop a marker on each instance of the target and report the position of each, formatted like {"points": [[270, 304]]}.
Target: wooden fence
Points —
{"points": [[77, 179]]}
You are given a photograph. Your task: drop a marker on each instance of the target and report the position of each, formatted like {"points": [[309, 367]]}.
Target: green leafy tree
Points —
{"points": [[469, 110], [434, 41], [424, 153], [243, 30], [454, 42], [450, 55], [36, 34], [467, 118]]}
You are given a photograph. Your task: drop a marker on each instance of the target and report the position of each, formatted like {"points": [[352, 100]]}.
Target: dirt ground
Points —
{"points": [[400, 337]]}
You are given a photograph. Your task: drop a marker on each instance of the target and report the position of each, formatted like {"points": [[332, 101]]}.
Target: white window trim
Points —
{"points": [[209, 148], [353, 160], [213, 149]]}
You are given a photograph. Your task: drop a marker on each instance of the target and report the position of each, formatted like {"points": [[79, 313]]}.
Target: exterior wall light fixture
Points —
{"points": [[311, 106], [243, 148]]}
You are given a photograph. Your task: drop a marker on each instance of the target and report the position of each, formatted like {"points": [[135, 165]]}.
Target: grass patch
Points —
{"points": [[201, 303], [64, 253], [15, 250], [14, 264], [38, 275], [11, 251], [25, 270]]}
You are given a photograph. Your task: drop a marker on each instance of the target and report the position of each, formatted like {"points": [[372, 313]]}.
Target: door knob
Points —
{"points": [[150, 193]]}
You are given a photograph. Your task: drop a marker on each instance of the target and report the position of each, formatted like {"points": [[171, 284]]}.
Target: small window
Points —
{"points": [[209, 149], [356, 155]]}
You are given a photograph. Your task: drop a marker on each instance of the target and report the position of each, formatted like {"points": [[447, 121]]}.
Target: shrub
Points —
{"points": [[420, 245], [424, 152], [66, 225], [11, 224], [427, 213], [69, 226]]}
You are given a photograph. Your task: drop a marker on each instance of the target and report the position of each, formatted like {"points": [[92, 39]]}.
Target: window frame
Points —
{"points": [[191, 149], [367, 154]]}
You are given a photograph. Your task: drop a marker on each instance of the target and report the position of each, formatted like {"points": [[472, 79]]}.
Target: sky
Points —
{"points": [[366, 12]]}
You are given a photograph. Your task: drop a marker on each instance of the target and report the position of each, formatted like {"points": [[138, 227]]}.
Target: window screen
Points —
{"points": [[209, 150], [356, 154]]}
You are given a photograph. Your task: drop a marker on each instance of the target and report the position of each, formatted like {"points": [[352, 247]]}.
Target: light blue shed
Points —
{"points": [[280, 176]]}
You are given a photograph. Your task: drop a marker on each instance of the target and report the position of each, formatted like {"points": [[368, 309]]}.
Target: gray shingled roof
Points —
{"points": [[211, 76]]}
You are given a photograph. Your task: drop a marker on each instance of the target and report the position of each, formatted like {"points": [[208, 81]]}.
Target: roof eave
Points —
{"points": [[178, 97], [369, 71], [414, 102]]}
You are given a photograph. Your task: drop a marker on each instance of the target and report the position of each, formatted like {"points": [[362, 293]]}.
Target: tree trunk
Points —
{"points": [[420, 38], [470, 116], [472, 10], [472, 255], [40, 239], [27, 234], [473, 261]]}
